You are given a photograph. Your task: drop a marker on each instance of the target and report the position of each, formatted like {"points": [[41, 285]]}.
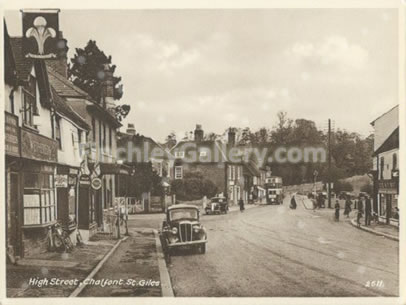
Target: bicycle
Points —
{"points": [[58, 238]]}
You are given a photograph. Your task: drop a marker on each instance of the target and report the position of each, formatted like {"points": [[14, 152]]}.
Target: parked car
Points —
{"points": [[217, 205], [182, 228]]}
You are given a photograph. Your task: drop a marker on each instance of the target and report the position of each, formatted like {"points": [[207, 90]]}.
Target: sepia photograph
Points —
{"points": [[202, 152]]}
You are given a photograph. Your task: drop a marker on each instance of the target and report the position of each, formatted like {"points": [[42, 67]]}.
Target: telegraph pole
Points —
{"points": [[329, 164]]}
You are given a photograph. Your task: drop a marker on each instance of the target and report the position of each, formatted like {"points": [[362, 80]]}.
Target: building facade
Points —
{"points": [[386, 166]]}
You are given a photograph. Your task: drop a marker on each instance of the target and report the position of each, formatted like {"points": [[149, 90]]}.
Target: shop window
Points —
{"points": [[39, 199]]}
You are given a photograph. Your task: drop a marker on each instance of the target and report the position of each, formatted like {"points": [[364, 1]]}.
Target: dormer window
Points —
{"points": [[179, 154]]}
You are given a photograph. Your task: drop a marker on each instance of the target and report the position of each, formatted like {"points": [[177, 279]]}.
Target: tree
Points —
{"points": [[121, 111], [170, 140], [343, 186], [193, 186], [87, 71]]}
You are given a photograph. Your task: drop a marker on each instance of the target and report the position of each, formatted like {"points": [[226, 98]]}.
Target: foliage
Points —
{"points": [[193, 186], [87, 71], [121, 111], [170, 140], [340, 186], [145, 179], [367, 188]]}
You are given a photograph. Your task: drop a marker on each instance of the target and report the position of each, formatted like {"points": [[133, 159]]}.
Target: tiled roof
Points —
{"points": [[63, 108], [63, 86], [23, 65]]}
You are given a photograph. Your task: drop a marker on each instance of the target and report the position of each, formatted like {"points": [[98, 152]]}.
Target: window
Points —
{"points": [[203, 154], [233, 173], [382, 167], [39, 199], [238, 173], [178, 172], [29, 101], [394, 162], [58, 137], [179, 154]]}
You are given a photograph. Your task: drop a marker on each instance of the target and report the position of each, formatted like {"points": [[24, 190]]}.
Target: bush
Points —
{"points": [[193, 187], [342, 186], [367, 188]]}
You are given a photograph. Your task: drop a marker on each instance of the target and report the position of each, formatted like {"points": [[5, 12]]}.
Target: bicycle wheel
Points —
{"points": [[58, 241]]}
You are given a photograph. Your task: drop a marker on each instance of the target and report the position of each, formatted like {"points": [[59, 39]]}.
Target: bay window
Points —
{"points": [[39, 198]]}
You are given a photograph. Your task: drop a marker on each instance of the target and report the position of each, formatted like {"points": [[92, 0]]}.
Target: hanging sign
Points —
{"points": [[96, 183]]}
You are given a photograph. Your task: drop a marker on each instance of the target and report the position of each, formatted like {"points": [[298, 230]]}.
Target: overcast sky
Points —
{"points": [[222, 68]]}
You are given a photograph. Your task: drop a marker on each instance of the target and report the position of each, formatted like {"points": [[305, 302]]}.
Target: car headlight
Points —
{"points": [[174, 230], [196, 229]]}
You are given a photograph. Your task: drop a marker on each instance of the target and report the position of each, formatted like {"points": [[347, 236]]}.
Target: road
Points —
{"points": [[275, 251]]}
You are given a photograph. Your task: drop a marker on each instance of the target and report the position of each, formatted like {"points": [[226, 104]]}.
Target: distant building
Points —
{"points": [[386, 166], [213, 159]]}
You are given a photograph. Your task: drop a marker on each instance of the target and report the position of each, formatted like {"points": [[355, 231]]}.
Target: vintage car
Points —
{"points": [[217, 205], [182, 228]]}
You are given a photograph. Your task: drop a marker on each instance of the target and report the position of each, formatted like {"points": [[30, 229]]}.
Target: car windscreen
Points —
{"points": [[183, 213]]}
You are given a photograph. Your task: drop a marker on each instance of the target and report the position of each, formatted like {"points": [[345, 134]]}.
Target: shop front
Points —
{"points": [[67, 194], [38, 212], [388, 193]]}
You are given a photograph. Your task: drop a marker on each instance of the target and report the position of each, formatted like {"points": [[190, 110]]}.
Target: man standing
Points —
{"points": [[368, 211]]}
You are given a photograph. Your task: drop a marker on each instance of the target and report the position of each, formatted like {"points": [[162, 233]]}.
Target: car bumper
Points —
{"points": [[187, 243]]}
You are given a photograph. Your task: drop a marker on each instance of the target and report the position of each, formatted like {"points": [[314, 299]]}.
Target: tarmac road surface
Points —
{"points": [[276, 251]]}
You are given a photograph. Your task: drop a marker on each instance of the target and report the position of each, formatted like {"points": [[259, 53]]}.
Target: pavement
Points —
{"points": [[387, 231], [48, 265], [273, 251]]}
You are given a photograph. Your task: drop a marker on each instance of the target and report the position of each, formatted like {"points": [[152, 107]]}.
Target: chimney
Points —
{"points": [[108, 87], [198, 133], [231, 136], [130, 129]]}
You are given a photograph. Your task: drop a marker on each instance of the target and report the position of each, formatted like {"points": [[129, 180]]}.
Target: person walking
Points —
{"points": [[337, 211], [347, 209], [368, 211], [361, 201], [241, 203], [293, 202]]}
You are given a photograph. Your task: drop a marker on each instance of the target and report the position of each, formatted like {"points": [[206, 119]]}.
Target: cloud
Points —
{"points": [[333, 51], [165, 55]]}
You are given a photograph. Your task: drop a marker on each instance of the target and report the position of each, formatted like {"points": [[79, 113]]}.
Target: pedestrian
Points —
{"points": [[368, 211], [359, 216], [347, 209], [337, 211], [320, 200], [241, 203], [293, 202]]}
